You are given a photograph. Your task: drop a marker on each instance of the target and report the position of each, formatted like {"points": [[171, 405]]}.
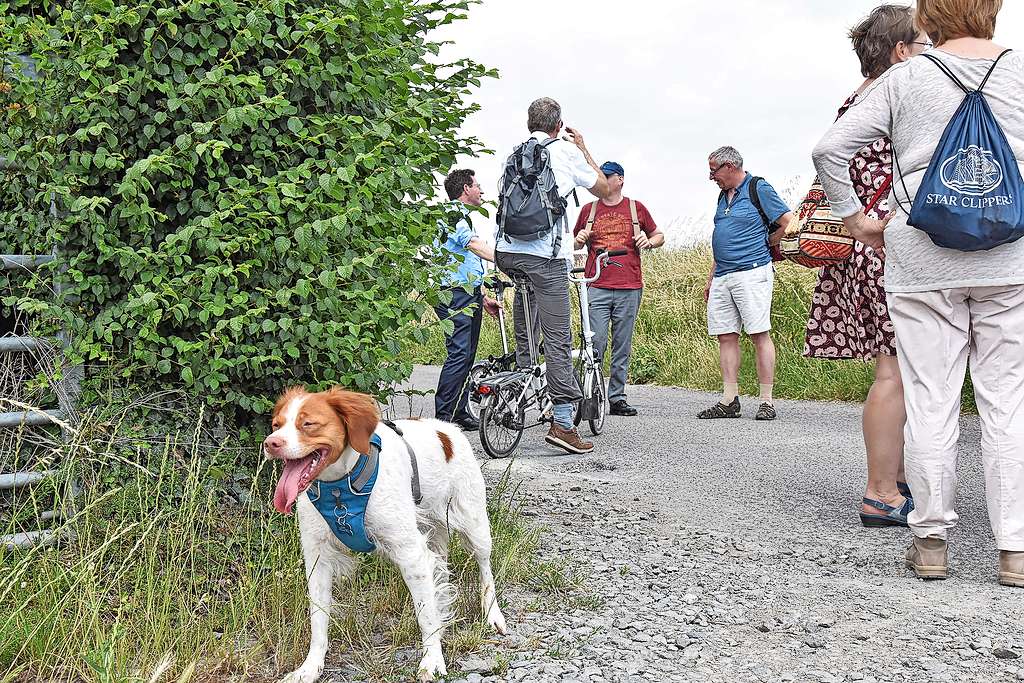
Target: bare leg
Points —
{"points": [[885, 416], [764, 350], [729, 357]]}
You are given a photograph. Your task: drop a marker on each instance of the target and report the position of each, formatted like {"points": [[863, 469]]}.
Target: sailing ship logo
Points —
{"points": [[971, 171]]}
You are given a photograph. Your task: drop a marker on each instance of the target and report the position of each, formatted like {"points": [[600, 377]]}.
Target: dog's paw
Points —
{"points": [[302, 675], [432, 665], [496, 620]]}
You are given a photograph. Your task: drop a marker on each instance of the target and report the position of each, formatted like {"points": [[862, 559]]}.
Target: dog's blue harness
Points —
{"points": [[342, 502]]}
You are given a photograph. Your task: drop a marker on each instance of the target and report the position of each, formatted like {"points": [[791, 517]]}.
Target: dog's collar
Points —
{"points": [[342, 502]]}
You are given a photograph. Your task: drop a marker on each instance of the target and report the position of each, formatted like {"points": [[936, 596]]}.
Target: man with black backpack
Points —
{"points": [[749, 221], [533, 239]]}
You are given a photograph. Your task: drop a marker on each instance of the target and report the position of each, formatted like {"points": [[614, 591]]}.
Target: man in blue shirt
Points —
{"points": [[739, 288], [465, 249]]}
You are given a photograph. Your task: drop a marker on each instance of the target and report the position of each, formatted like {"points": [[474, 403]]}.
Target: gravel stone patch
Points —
{"points": [[730, 550]]}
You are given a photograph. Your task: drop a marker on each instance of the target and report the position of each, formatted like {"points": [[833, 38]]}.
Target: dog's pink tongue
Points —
{"points": [[288, 485]]}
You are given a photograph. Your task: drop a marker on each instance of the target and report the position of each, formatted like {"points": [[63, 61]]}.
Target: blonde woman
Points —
{"points": [[948, 306]]}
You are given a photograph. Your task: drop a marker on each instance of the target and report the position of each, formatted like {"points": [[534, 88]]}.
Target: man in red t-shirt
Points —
{"points": [[612, 223]]}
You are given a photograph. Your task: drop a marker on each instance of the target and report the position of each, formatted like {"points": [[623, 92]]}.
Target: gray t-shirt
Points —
{"points": [[912, 103]]}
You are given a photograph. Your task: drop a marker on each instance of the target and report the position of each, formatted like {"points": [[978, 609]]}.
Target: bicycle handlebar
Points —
{"points": [[603, 258]]}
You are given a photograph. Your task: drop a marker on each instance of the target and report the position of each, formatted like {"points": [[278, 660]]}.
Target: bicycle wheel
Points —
{"points": [[578, 378], [479, 372], [599, 391], [501, 423]]}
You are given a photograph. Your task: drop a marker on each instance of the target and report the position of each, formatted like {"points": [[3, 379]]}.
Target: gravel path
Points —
{"points": [[730, 550]]}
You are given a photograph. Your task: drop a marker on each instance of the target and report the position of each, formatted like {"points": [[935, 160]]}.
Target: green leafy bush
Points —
{"points": [[240, 184]]}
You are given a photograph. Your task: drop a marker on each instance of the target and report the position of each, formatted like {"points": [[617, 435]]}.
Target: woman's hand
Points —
{"points": [[870, 231]]}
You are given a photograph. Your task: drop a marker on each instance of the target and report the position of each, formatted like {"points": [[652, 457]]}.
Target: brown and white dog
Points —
{"points": [[320, 436]]}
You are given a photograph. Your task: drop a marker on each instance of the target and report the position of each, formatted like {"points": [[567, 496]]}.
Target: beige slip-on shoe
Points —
{"points": [[929, 558], [1011, 568]]}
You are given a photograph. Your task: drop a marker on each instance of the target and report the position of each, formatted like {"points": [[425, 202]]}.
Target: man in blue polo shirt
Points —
{"points": [[739, 288], [464, 249]]}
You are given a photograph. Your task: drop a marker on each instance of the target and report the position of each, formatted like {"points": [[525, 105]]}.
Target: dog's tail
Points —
{"points": [[446, 592]]}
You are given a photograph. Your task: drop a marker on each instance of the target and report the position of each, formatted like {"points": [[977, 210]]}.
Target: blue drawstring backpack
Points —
{"points": [[970, 197]]}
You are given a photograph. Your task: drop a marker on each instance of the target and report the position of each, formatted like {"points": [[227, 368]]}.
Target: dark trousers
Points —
{"points": [[453, 386], [549, 314]]}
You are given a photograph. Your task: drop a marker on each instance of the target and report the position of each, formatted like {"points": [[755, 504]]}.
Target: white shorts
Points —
{"points": [[741, 301]]}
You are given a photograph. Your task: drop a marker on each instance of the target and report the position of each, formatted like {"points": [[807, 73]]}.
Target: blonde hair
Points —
{"points": [[945, 20]]}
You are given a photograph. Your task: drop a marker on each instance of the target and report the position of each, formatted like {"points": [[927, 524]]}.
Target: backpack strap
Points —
{"points": [[592, 216], [994, 65], [636, 221], [953, 77], [755, 199], [556, 242], [945, 70]]}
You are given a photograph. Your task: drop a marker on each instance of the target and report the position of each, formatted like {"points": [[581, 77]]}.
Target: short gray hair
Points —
{"points": [[544, 115], [727, 155]]}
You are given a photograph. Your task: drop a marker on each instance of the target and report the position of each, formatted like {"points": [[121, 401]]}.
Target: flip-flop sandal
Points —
{"points": [[904, 489], [893, 516]]}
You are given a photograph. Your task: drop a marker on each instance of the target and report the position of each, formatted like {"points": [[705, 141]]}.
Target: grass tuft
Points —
{"points": [[163, 575]]}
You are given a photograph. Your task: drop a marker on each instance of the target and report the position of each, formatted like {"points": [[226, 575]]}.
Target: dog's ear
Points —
{"points": [[359, 414]]}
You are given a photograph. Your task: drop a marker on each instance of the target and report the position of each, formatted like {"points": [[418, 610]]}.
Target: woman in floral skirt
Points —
{"points": [[849, 318]]}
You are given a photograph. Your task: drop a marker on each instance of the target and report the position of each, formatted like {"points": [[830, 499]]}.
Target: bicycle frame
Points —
{"points": [[507, 395], [586, 352]]}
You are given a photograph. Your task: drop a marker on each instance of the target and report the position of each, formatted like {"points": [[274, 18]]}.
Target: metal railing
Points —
{"points": [[66, 389]]}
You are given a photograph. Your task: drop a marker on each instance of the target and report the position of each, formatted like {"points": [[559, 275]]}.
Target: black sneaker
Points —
{"points": [[721, 410], [622, 408], [468, 423], [766, 412]]}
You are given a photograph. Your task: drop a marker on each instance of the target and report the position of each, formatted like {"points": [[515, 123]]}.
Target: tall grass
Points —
{"points": [[671, 345], [169, 571]]}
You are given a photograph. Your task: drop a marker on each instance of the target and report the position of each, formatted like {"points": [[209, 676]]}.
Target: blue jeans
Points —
{"points": [[453, 386]]}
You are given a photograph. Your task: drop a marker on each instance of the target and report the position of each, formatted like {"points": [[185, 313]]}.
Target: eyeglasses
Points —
{"points": [[927, 44], [720, 167]]}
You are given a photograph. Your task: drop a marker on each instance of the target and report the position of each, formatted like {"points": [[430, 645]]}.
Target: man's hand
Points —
{"points": [[707, 291], [491, 305], [582, 237], [575, 137], [643, 241], [870, 231]]}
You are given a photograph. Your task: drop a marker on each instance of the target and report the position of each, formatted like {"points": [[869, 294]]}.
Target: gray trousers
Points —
{"points": [[618, 307], [549, 279]]}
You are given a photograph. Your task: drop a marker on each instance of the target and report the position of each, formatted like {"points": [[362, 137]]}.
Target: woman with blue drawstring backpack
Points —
{"points": [[954, 262]]}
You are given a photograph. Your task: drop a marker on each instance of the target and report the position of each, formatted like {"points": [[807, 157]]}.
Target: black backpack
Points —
{"points": [[529, 206]]}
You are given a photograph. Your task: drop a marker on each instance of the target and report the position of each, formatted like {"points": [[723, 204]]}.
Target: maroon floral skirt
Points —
{"points": [[849, 317]]}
